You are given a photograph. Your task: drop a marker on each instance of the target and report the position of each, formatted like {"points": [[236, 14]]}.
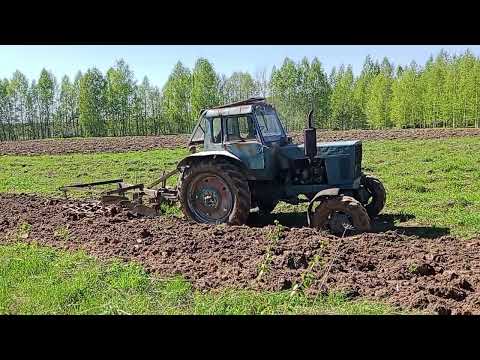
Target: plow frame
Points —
{"points": [[136, 204]]}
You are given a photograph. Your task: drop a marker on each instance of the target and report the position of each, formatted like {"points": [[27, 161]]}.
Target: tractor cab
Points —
{"points": [[243, 129], [245, 121]]}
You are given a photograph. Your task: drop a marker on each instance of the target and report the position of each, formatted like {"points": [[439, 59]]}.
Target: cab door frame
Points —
{"points": [[249, 151]]}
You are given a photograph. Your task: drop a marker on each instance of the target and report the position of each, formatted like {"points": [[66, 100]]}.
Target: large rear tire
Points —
{"points": [[341, 214], [378, 195], [214, 192]]}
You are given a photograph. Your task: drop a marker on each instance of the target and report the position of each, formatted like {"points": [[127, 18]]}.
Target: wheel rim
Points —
{"points": [[210, 199]]}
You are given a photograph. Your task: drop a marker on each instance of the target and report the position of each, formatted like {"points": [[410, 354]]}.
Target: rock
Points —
{"points": [[442, 310], [285, 284], [464, 284], [424, 270], [145, 233]]}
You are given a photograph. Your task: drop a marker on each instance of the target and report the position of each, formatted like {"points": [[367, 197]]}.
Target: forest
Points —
{"points": [[443, 92]]}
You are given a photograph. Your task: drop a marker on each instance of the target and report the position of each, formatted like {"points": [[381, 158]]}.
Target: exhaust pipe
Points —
{"points": [[310, 137]]}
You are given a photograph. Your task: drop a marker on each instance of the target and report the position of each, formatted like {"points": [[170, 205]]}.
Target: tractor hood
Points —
{"points": [[324, 149], [343, 159]]}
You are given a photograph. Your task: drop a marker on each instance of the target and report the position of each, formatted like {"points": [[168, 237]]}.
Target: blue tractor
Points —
{"points": [[242, 159]]}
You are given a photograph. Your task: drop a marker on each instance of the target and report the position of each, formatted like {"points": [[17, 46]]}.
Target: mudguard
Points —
{"points": [[205, 154], [318, 197]]}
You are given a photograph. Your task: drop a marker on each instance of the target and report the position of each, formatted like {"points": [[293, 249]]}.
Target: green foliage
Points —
{"points": [[23, 231], [406, 99], [378, 103], [344, 108], [40, 280], [436, 181], [444, 92], [204, 92], [46, 174], [297, 88], [176, 100], [92, 102], [239, 86]]}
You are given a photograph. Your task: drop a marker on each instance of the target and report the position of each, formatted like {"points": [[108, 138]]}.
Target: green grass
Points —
{"points": [[45, 174], [434, 181], [41, 280]]}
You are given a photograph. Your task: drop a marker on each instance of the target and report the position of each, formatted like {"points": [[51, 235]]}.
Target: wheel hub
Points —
{"points": [[339, 222], [210, 199]]}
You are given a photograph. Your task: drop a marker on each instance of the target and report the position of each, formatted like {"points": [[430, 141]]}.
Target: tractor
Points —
{"points": [[243, 161], [248, 161]]}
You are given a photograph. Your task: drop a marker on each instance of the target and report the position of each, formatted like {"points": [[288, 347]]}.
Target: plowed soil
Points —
{"points": [[135, 143], [433, 275]]}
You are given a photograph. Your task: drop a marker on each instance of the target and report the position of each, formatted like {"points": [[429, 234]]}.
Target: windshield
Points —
{"points": [[268, 122]]}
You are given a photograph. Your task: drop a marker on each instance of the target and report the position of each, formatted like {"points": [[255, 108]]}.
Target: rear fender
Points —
{"points": [[324, 194], [203, 155]]}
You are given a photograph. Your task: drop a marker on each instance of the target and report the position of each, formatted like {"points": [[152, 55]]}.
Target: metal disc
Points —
{"points": [[210, 199]]}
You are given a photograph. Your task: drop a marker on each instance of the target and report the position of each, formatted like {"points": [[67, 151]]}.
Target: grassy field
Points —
{"points": [[431, 184], [39, 280]]}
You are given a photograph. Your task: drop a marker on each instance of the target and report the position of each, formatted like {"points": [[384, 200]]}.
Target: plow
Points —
{"points": [[248, 162], [139, 199]]}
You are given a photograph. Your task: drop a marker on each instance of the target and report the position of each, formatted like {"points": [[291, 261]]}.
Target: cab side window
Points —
{"points": [[216, 130], [241, 128]]}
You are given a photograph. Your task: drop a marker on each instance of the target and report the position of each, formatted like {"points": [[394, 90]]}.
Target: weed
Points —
{"points": [[273, 236], [308, 276], [23, 231], [170, 210], [62, 233]]}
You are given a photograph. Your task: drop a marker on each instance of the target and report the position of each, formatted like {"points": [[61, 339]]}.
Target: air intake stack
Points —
{"points": [[310, 138]]}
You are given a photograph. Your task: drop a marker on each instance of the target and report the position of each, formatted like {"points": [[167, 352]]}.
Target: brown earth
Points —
{"points": [[440, 274], [135, 143]]}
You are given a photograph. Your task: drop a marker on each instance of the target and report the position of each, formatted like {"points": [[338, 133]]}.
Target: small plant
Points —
{"points": [[276, 233], [273, 237], [170, 210], [62, 233], [23, 231], [308, 276], [412, 268]]}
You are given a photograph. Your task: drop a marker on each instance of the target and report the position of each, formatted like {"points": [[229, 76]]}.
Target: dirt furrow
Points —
{"points": [[438, 275], [136, 143]]}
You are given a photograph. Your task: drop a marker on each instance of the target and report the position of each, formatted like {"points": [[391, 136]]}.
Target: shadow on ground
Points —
{"points": [[382, 223]]}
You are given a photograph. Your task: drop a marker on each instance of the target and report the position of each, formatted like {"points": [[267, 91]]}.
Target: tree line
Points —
{"points": [[444, 92]]}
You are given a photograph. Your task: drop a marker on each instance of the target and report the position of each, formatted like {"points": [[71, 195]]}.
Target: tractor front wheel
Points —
{"points": [[215, 192], [341, 215], [377, 195]]}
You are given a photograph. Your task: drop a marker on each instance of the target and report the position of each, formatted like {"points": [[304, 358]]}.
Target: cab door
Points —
{"points": [[242, 140]]}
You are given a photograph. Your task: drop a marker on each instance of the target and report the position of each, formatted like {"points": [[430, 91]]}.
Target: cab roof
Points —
{"points": [[236, 108]]}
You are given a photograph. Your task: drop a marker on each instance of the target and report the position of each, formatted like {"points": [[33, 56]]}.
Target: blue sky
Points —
{"points": [[157, 61]]}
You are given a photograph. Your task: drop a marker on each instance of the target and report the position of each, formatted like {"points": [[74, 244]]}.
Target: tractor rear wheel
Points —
{"points": [[378, 195], [341, 214], [215, 192]]}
